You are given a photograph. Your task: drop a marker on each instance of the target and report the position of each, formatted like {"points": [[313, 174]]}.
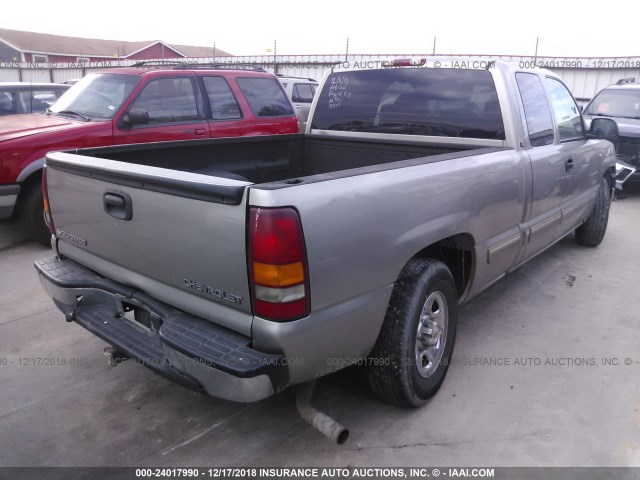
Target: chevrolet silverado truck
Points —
{"points": [[134, 105], [242, 266]]}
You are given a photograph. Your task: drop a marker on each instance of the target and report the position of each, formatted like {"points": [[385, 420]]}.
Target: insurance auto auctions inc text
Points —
{"points": [[344, 473]]}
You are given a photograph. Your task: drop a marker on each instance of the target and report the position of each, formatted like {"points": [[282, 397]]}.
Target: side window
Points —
{"points": [[39, 100], [265, 97], [223, 104], [302, 92], [7, 103], [566, 111], [168, 100], [536, 109]]}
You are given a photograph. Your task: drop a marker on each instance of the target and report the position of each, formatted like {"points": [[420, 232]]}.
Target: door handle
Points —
{"points": [[118, 205], [200, 131], [568, 165]]}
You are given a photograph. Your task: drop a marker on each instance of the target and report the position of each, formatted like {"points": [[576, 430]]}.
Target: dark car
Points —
{"points": [[621, 103], [25, 97]]}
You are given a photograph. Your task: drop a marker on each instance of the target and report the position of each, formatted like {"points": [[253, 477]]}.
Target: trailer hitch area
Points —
{"points": [[318, 420], [114, 356]]}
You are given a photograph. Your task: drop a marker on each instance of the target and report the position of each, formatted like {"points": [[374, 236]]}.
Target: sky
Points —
{"points": [[248, 27]]}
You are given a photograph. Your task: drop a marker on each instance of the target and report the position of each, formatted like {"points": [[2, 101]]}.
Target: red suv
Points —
{"points": [[134, 105]]}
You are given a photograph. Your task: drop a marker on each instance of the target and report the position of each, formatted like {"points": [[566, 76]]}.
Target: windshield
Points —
{"points": [[616, 103], [96, 96], [452, 103]]}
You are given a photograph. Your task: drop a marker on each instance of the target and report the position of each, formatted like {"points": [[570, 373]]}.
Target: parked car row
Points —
{"points": [[157, 104], [149, 103]]}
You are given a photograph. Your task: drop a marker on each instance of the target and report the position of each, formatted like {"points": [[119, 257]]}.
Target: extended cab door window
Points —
{"points": [[536, 109], [566, 112], [547, 166], [581, 177]]}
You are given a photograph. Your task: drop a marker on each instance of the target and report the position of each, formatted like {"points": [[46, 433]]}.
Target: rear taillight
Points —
{"points": [[278, 264], [47, 210]]}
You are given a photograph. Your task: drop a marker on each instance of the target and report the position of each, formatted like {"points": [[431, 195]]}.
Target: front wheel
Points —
{"points": [[413, 351], [591, 232]]}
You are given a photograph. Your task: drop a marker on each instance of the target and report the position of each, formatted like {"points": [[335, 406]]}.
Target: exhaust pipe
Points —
{"points": [[318, 420]]}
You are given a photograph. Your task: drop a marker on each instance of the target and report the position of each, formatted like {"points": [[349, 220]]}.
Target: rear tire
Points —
{"points": [[31, 212], [413, 351], [591, 232]]}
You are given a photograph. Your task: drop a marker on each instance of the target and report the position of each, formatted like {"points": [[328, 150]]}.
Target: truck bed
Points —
{"points": [[281, 159], [140, 202]]}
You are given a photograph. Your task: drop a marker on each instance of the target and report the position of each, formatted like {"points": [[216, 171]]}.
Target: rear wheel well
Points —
{"points": [[30, 208], [34, 178], [457, 253]]}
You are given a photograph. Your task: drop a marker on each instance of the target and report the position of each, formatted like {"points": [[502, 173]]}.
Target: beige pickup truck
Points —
{"points": [[241, 266]]}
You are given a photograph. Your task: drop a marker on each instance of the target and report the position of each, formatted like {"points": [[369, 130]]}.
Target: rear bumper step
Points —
{"points": [[188, 350]]}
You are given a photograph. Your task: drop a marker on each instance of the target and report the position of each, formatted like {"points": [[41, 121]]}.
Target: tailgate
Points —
{"points": [[180, 237]]}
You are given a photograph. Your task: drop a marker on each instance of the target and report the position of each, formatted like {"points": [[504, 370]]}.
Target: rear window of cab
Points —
{"points": [[411, 101]]}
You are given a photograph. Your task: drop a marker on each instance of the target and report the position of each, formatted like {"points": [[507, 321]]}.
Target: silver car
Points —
{"points": [[25, 97]]}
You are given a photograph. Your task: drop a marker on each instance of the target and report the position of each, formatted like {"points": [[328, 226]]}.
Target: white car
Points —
{"points": [[300, 91]]}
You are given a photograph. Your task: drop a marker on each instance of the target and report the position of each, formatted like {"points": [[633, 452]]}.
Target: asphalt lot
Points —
{"points": [[538, 379]]}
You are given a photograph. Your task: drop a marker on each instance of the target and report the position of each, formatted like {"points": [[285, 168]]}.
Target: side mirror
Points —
{"points": [[604, 129], [137, 116]]}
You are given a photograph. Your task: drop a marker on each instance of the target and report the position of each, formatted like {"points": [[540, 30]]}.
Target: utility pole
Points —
{"points": [[535, 56], [434, 45], [346, 55], [275, 52]]}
